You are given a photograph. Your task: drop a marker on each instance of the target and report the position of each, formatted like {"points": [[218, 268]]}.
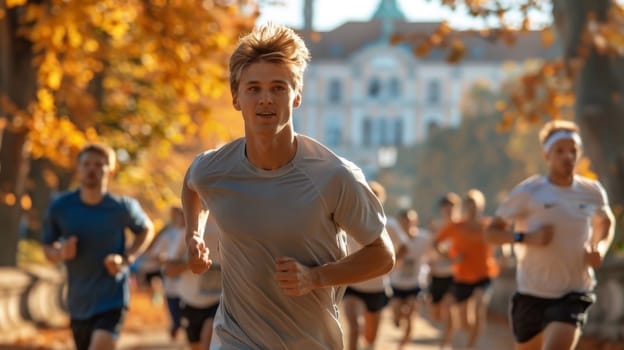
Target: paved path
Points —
{"points": [[426, 337]]}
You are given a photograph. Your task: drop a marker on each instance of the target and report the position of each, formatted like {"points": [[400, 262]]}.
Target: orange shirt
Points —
{"points": [[475, 260]]}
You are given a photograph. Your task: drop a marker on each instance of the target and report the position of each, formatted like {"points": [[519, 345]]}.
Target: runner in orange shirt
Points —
{"points": [[473, 266]]}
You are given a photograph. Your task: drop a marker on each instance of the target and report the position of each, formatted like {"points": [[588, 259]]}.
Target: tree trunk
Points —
{"points": [[599, 94], [18, 83]]}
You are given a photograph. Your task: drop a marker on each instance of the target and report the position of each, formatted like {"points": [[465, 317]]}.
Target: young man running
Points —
{"points": [[406, 278], [85, 229], [561, 226], [283, 203], [474, 267]]}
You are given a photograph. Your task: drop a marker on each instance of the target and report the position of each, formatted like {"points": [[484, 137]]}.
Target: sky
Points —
{"points": [[330, 14]]}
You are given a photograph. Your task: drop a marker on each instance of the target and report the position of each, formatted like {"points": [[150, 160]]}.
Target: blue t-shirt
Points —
{"points": [[100, 231]]}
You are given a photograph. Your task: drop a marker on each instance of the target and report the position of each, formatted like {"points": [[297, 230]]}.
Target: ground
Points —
{"points": [[146, 329]]}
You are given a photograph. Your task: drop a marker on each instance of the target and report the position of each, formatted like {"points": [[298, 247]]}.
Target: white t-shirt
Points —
{"points": [[558, 268], [409, 273], [301, 210], [199, 290], [439, 265], [159, 250]]}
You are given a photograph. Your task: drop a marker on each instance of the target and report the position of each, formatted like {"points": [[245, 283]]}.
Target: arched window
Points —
{"points": [[374, 87]]}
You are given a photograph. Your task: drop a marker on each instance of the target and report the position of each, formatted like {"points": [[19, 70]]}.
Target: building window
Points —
{"points": [[432, 123], [395, 88], [374, 88], [433, 92], [335, 91], [398, 132], [367, 132], [333, 132]]}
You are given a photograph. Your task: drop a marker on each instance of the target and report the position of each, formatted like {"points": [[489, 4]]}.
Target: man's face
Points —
{"points": [[447, 211], [93, 170], [470, 208], [408, 223], [266, 96], [562, 157]]}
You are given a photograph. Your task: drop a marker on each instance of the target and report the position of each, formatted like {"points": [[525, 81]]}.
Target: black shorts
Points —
{"points": [[463, 291], [405, 293], [149, 276], [193, 319], [530, 314], [438, 288], [373, 301], [110, 321]]}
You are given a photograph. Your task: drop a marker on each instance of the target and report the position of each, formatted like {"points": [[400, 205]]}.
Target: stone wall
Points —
{"points": [[606, 316], [29, 298]]}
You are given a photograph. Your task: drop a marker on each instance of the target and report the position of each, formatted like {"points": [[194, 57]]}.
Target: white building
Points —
{"points": [[363, 96]]}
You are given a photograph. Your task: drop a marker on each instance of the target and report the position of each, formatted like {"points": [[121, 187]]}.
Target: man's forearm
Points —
{"points": [[53, 253], [140, 243], [175, 268], [191, 208], [603, 232], [371, 261], [498, 232]]}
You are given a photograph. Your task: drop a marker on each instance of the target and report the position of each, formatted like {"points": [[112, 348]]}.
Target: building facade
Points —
{"points": [[364, 97]]}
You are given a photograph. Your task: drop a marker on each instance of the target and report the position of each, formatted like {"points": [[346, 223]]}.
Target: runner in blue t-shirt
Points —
{"points": [[84, 229]]}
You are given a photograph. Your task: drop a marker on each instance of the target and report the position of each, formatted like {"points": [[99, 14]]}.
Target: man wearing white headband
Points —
{"points": [[561, 226]]}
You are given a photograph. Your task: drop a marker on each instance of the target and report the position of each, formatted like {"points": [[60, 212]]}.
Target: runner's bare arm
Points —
{"points": [[174, 268], [140, 243], [61, 251], [603, 229], [499, 232], [191, 208], [198, 254], [374, 259]]}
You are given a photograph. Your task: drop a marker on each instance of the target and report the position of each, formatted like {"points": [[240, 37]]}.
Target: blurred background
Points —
{"points": [[426, 96]]}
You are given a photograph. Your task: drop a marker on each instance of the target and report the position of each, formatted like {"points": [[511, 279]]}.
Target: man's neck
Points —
{"points": [[562, 181], [92, 196], [271, 154]]}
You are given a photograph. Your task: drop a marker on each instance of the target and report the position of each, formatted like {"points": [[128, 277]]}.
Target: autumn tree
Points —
{"points": [[141, 75]]}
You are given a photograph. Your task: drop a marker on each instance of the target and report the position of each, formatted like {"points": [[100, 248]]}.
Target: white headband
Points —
{"points": [[561, 135]]}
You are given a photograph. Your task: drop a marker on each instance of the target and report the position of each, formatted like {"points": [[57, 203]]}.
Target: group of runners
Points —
{"points": [[274, 227]]}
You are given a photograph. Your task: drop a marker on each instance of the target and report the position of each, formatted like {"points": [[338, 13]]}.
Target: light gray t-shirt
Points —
{"points": [[559, 267], [200, 291], [300, 210], [410, 273]]}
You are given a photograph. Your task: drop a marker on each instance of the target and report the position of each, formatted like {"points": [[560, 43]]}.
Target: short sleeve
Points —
{"points": [[515, 205], [602, 200], [195, 169], [137, 219], [357, 210]]}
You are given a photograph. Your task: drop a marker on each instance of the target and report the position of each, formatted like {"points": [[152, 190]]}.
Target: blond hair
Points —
{"points": [[270, 43], [476, 197], [556, 125]]}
